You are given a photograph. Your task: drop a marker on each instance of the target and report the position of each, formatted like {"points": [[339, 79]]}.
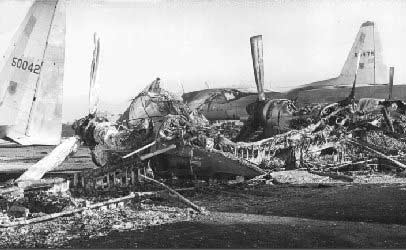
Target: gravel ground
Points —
{"points": [[67, 231], [241, 216], [278, 216]]}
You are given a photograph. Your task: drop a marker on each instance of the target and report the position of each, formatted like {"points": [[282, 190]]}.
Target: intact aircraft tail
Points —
{"points": [[31, 77], [371, 68]]}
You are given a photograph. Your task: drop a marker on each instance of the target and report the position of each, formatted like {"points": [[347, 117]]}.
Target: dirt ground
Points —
{"points": [[334, 214], [280, 216]]}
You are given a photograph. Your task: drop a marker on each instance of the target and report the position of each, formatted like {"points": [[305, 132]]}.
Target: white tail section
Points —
{"points": [[31, 76], [94, 87], [371, 69]]}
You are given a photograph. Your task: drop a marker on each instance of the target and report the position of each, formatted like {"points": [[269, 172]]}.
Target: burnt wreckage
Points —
{"points": [[159, 135], [174, 141]]}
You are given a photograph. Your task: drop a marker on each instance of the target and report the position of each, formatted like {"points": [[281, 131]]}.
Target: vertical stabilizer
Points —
{"points": [[31, 76], [258, 64], [371, 68]]}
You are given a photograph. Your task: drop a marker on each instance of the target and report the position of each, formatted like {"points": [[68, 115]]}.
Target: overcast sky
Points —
{"points": [[193, 42]]}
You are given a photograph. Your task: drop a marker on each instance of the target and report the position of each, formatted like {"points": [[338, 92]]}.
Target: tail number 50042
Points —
{"points": [[24, 65]]}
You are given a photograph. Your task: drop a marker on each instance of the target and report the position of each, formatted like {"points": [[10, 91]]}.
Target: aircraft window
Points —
{"points": [[372, 53], [361, 65], [356, 54]]}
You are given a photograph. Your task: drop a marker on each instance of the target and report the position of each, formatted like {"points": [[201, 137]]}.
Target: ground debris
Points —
{"points": [[91, 224]]}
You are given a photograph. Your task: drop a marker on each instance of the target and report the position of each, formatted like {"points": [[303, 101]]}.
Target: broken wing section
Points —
{"points": [[39, 119]]}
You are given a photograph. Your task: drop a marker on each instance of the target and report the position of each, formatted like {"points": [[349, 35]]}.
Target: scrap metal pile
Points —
{"points": [[160, 134], [328, 140], [154, 118], [348, 136]]}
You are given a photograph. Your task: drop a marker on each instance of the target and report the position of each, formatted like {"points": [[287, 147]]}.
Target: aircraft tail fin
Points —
{"points": [[371, 68], [31, 76]]}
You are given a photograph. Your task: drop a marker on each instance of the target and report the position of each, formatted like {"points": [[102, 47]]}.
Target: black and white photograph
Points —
{"points": [[202, 124]]}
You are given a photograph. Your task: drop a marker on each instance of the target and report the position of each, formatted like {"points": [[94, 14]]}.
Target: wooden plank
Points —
{"points": [[160, 151], [51, 161], [181, 197], [139, 150], [395, 162]]}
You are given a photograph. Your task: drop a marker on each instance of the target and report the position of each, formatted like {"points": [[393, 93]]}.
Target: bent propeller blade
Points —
{"points": [[258, 64]]}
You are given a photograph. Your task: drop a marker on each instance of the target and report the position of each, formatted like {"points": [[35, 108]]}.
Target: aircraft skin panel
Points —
{"points": [[233, 110], [224, 104], [381, 69], [362, 41], [15, 85], [31, 76]]}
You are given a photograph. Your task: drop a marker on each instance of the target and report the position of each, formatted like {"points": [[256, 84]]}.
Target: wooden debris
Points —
{"points": [[397, 163], [387, 119], [78, 210], [140, 149], [182, 198], [160, 151], [119, 200], [51, 161], [346, 164], [333, 175]]}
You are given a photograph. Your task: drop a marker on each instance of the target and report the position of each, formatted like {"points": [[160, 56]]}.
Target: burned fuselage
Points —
{"points": [[224, 104]]}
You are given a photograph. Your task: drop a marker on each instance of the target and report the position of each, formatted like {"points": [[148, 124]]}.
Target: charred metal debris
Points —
{"points": [[159, 135]]}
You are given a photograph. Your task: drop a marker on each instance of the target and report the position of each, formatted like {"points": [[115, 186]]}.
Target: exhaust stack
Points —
{"points": [[258, 64]]}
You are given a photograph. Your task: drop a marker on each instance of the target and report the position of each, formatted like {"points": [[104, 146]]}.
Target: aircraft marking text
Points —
{"points": [[365, 53], [25, 65]]}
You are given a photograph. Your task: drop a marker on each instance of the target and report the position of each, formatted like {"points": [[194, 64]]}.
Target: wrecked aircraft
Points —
{"points": [[159, 136], [164, 136]]}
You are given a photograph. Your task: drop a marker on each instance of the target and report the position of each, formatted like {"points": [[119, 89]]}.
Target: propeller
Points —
{"points": [[258, 64], [391, 73], [94, 87], [352, 94], [254, 109], [70, 145]]}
